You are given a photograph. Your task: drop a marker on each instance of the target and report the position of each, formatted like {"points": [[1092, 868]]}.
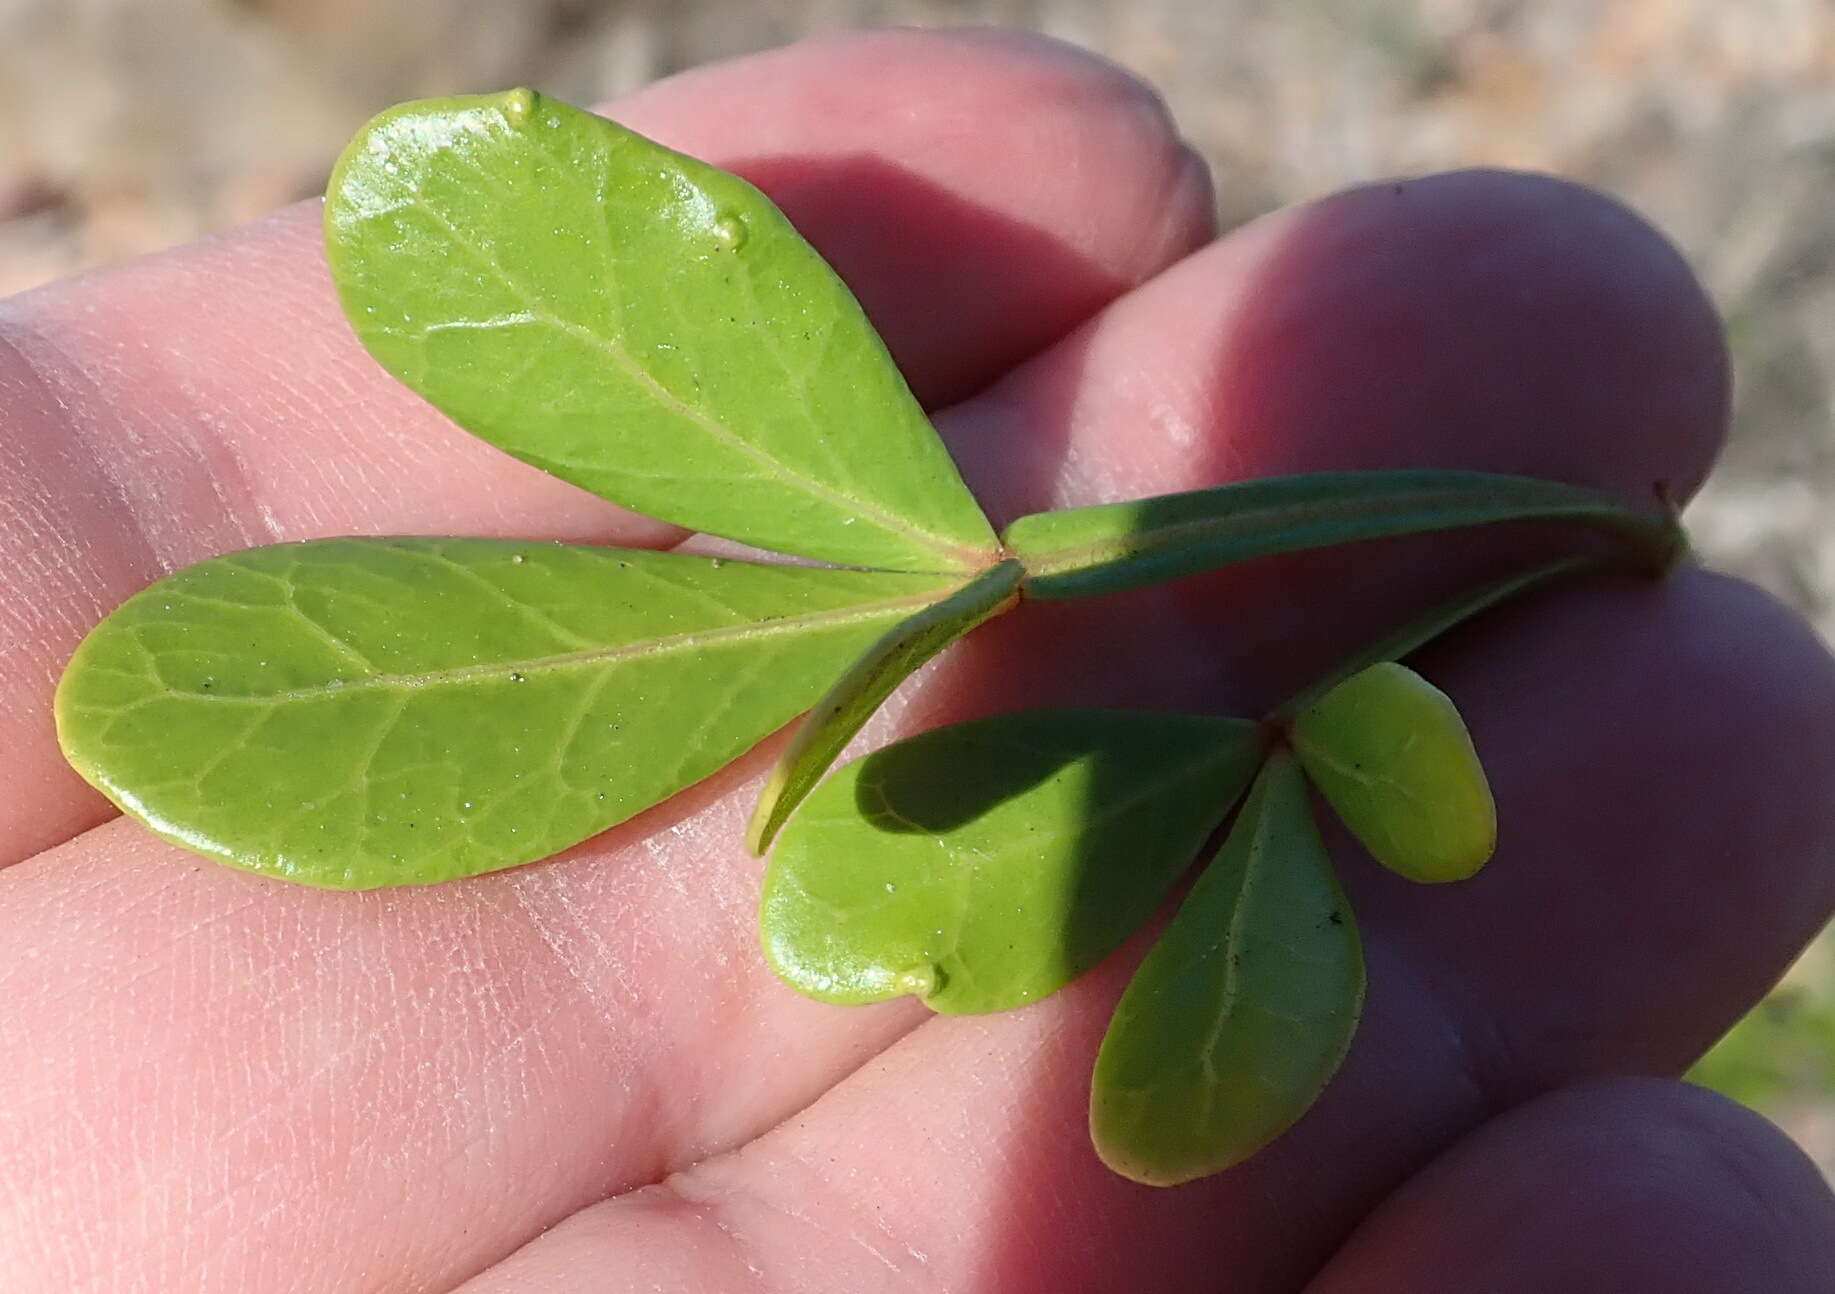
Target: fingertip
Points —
{"points": [[982, 192], [1661, 753], [1485, 318], [1618, 1185]]}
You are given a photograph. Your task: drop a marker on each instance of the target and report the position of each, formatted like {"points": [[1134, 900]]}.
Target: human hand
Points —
{"points": [[580, 1075]]}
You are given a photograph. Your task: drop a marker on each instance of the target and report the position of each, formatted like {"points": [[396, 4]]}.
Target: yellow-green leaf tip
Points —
{"points": [[1391, 755]]}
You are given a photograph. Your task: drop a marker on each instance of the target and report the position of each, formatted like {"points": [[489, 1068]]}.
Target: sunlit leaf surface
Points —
{"points": [[1242, 1012], [985, 865], [355, 712], [641, 324], [1391, 754], [845, 707]]}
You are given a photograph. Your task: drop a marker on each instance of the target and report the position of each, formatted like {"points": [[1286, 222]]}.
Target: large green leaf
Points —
{"points": [[1242, 1012], [642, 324], [1080, 552], [845, 707], [1390, 753], [353, 712], [985, 865]]}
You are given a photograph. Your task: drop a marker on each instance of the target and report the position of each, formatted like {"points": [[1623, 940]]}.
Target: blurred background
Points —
{"points": [[127, 125]]}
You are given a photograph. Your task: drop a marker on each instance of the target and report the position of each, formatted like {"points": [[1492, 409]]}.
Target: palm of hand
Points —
{"points": [[215, 1082]]}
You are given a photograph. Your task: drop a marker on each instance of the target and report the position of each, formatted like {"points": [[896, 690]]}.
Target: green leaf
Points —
{"points": [[1085, 551], [985, 865], [641, 324], [846, 707], [1244, 1009], [353, 712], [1390, 753]]}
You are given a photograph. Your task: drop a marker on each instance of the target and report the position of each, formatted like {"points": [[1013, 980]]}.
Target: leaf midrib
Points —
{"points": [[1059, 561], [627, 363], [596, 656], [1229, 990]]}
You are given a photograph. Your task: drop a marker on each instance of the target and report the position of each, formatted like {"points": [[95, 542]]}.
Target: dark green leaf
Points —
{"points": [[985, 865], [1242, 1012], [1113, 546]]}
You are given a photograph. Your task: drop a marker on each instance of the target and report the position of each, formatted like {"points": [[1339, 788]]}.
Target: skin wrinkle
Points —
{"points": [[577, 970], [203, 456], [31, 359], [777, 1205]]}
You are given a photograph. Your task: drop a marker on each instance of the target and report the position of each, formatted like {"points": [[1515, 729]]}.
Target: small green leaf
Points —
{"points": [[986, 865], [1390, 753], [352, 713], [1244, 1009], [833, 721], [641, 324], [1086, 551]]}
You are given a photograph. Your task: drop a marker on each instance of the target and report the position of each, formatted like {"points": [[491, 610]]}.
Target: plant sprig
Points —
{"points": [[352, 713]]}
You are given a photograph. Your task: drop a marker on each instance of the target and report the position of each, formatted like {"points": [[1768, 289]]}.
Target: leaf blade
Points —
{"points": [[639, 323], [1243, 1010], [985, 865], [350, 713], [845, 707], [1392, 756], [1082, 552]]}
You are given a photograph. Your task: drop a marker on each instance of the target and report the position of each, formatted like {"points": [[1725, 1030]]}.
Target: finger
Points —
{"points": [[213, 398], [582, 1027], [1481, 320], [1514, 324], [970, 233], [650, 928], [686, 915], [1478, 319], [960, 1157], [962, 1122], [1661, 754], [1628, 1187]]}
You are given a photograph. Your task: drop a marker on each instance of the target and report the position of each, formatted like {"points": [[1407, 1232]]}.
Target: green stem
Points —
{"points": [[1081, 552], [853, 698], [1417, 633]]}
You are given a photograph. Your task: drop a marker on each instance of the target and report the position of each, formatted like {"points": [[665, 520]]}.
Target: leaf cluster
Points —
{"points": [[353, 713]]}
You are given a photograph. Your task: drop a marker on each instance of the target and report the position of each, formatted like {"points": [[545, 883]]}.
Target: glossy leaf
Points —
{"points": [[641, 324], [1243, 1011], [1390, 753], [986, 865], [1085, 551], [845, 708], [353, 712]]}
